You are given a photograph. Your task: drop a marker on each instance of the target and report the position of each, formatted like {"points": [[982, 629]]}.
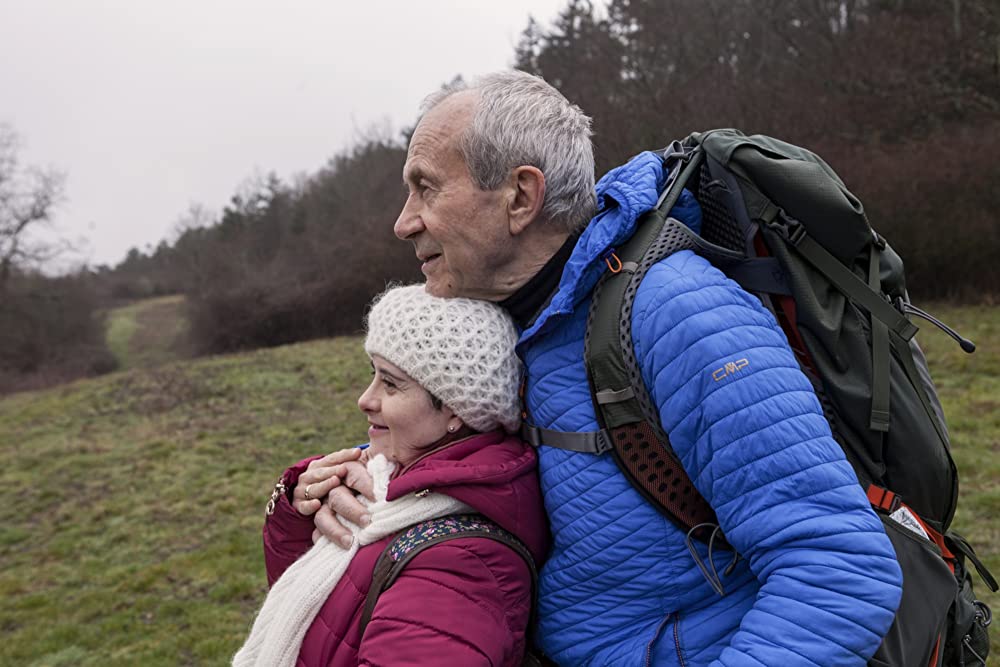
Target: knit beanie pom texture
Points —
{"points": [[460, 350]]}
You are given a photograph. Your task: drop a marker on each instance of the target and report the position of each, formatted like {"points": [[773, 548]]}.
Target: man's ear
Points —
{"points": [[528, 195]]}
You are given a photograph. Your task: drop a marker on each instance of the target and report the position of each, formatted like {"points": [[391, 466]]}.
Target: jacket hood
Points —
{"points": [[623, 195], [494, 473]]}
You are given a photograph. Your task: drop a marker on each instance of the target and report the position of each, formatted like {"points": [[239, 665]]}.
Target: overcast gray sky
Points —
{"points": [[149, 106]]}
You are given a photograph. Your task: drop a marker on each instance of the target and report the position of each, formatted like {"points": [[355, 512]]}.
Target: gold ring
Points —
{"points": [[307, 492]]}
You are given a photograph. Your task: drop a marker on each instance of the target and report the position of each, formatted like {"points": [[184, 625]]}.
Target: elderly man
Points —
{"points": [[500, 207]]}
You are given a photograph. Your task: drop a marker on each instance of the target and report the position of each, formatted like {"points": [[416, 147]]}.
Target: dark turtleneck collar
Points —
{"points": [[527, 302]]}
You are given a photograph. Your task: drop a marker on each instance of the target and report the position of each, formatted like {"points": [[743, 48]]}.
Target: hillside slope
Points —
{"points": [[130, 531], [130, 527]]}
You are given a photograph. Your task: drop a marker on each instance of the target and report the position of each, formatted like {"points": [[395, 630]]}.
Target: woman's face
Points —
{"points": [[402, 420]]}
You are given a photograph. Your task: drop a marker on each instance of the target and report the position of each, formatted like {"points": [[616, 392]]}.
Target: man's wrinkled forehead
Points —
{"points": [[458, 106], [436, 139], [446, 121]]}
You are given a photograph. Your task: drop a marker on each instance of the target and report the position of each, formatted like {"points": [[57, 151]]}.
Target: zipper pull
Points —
{"points": [[967, 345]]}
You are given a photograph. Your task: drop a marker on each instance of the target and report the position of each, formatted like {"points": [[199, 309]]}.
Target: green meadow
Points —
{"points": [[132, 503]]}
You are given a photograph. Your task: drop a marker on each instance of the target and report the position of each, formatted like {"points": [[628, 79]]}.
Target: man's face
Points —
{"points": [[459, 232]]}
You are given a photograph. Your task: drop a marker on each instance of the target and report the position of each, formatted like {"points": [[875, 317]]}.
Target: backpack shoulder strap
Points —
{"points": [[405, 546], [629, 424], [621, 400]]}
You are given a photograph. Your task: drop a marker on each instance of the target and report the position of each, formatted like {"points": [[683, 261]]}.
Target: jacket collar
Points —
{"points": [[495, 474], [623, 194]]}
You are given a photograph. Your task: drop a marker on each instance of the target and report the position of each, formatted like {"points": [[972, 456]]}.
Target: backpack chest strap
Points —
{"points": [[586, 442]]}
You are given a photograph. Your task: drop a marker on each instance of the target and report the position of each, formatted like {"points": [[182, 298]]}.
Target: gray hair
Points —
{"points": [[522, 120]]}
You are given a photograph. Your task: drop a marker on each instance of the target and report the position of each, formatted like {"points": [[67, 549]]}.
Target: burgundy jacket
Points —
{"points": [[463, 602]]}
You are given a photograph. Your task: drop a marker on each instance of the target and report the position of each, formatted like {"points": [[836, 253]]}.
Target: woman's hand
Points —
{"points": [[320, 477]]}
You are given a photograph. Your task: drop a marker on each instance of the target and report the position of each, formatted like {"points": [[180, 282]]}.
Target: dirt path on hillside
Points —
{"points": [[161, 333], [149, 333]]}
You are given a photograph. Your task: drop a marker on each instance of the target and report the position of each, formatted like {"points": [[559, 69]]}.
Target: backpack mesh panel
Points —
{"points": [[717, 223], [670, 240], [643, 448], [657, 474]]}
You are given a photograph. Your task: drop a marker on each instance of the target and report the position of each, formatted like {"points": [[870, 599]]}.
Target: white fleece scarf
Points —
{"points": [[298, 595]]}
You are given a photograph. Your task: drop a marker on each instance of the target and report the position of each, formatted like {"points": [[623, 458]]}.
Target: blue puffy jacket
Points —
{"points": [[818, 583]]}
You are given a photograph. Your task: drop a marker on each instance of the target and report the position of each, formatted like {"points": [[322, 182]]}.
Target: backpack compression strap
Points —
{"points": [[884, 317], [405, 546]]}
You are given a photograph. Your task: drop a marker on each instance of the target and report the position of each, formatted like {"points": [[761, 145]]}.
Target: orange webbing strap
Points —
{"points": [[883, 499], [785, 313], [934, 656], [889, 502], [938, 539]]}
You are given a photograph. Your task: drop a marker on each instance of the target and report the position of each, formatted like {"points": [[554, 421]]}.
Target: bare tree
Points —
{"points": [[197, 216], [28, 196]]}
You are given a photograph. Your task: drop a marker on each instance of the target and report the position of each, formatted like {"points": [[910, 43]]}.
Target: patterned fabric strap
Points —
{"points": [[405, 546], [415, 536]]}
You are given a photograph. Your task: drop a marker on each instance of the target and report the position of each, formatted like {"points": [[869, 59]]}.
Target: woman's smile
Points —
{"points": [[403, 417]]}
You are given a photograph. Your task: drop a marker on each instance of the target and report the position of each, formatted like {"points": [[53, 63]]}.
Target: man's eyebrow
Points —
{"points": [[416, 174], [412, 175]]}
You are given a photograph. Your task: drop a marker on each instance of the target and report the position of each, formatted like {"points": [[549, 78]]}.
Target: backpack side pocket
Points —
{"points": [[967, 640], [929, 589]]}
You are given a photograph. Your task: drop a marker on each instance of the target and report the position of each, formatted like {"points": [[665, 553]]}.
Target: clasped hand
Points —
{"points": [[328, 487]]}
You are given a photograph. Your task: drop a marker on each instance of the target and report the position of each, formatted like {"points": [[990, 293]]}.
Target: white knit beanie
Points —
{"points": [[460, 350]]}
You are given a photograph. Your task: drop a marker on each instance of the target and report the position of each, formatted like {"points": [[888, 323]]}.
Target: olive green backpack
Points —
{"points": [[782, 224]]}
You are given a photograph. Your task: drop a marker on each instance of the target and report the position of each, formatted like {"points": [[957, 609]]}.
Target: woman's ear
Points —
{"points": [[455, 424], [528, 195]]}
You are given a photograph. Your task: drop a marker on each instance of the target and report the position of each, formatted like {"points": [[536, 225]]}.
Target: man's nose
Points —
{"points": [[409, 222]]}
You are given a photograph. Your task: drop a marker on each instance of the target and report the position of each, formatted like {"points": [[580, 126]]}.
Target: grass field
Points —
{"points": [[129, 531]]}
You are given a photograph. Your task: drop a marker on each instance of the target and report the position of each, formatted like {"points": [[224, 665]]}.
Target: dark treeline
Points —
{"points": [[902, 97], [282, 263], [49, 331], [285, 263]]}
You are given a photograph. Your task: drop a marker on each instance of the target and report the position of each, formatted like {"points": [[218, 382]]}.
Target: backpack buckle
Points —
{"points": [[796, 233], [791, 230], [676, 151], [983, 614], [604, 443], [883, 499]]}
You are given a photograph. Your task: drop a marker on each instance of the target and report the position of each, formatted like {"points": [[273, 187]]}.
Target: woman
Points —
{"points": [[442, 401]]}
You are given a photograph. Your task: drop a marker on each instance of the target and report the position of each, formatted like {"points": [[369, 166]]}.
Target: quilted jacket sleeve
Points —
{"points": [[464, 602], [750, 432], [287, 534]]}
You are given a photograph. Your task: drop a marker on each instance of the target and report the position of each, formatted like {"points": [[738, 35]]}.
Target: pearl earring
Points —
{"points": [[451, 429]]}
